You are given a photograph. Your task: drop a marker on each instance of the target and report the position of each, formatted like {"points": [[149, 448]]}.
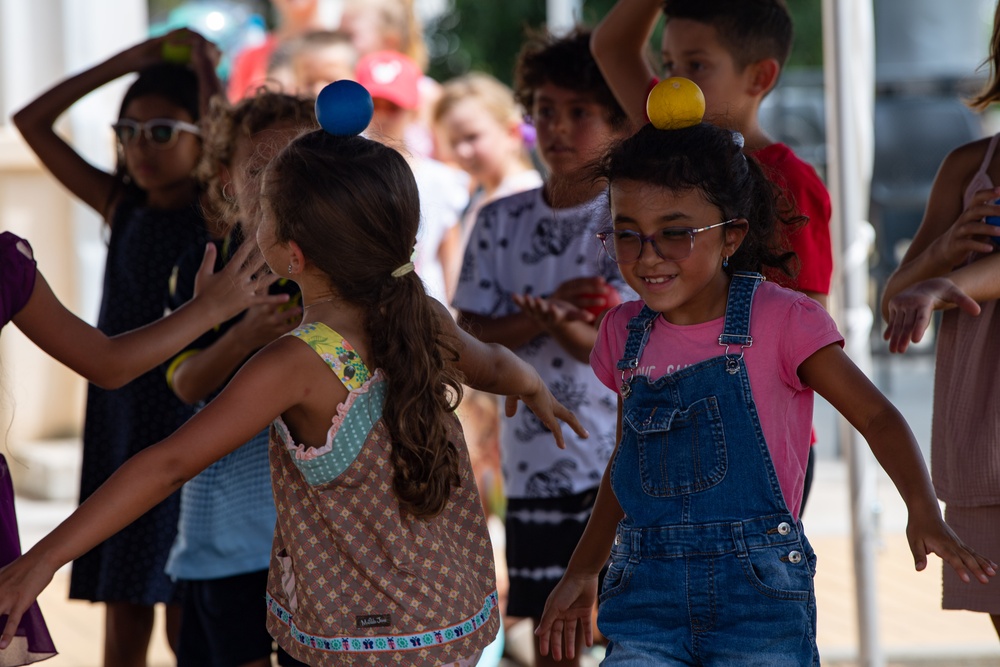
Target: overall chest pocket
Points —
{"points": [[680, 451]]}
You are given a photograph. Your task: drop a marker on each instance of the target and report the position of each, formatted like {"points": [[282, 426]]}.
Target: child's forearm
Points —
{"points": [[43, 111], [577, 338], [897, 451], [200, 374], [619, 45], [922, 267], [831, 373], [511, 331], [594, 547], [494, 369], [109, 362], [980, 280]]}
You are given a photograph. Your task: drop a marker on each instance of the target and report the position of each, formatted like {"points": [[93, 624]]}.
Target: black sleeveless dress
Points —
{"points": [[144, 247]]}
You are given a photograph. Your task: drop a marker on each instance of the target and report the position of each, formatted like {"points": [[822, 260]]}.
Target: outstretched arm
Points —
{"points": [[571, 602], [618, 44], [949, 231], [493, 368], [910, 310], [833, 376], [111, 362], [247, 405]]}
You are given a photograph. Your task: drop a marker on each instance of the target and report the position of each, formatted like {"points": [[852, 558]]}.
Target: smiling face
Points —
{"points": [[573, 129], [692, 50], [686, 291]]}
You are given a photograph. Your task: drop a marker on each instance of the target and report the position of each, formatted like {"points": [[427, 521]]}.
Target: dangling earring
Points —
{"points": [[289, 268], [228, 196], [725, 262]]}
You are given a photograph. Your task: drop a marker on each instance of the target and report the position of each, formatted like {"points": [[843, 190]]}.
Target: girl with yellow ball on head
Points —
{"points": [[708, 560]]}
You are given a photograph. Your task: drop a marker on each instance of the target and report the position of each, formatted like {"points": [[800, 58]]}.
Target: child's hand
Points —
{"points": [[938, 538], [265, 322], [21, 582], [551, 313], [241, 284], [548, 410], [910, 310], [584, 293], [970, 232], [569, 606]]}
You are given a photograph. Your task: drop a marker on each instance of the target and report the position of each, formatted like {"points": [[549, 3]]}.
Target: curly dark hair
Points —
{"points": [[226, 122], [565, 62], [711, 159]]}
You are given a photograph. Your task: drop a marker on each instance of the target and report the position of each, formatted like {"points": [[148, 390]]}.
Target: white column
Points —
{"points": [[561, 16], [849, 66], [41, 42]]}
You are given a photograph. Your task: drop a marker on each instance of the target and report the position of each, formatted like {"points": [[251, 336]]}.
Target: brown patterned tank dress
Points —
{"points": [[353, 580]]}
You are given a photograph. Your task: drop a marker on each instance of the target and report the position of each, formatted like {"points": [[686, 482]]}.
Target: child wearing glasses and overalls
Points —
{"points": [[715, 370], [151, 203]]}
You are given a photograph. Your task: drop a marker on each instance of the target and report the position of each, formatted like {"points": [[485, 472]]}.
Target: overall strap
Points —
{"points": [[989, 154], [638, 334], [736, 329]]}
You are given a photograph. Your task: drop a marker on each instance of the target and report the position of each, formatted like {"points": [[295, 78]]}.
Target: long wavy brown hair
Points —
{"points": [[351, 204]]}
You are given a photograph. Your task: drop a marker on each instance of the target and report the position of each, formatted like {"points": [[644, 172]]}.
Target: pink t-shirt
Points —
{"points": [[787, 328]]}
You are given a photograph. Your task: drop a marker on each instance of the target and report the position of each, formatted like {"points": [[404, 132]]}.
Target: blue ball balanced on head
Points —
{"points": [[344, 108]]}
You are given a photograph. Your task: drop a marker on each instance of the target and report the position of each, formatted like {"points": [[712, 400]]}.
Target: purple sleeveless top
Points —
{"points": [[17, 275], [965, 429], [17, 280]]}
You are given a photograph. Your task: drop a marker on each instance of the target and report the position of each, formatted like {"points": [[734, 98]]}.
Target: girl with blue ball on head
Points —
{"points": [[381, 552], [715, 371]]}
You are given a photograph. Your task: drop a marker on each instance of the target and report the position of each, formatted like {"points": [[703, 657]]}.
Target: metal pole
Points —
{"points": [[849, 82]]}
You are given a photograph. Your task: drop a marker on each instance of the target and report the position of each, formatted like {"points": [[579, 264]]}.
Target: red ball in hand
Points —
{"points": [[609, 299]]}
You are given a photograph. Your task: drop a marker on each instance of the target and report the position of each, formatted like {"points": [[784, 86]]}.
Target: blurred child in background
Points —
{"points": [[321, 57], [542, 243], [226, 525], [152, 204], [393, 79]]}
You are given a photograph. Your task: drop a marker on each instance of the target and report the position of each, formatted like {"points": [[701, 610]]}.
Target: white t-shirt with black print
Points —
{"points": [[520, 245]]}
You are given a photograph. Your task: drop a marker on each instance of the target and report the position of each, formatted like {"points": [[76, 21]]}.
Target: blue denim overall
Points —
{"points": [[708, 566]]}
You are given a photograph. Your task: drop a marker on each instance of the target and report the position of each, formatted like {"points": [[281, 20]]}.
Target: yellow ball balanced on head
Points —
{"points": [[675, 103]]}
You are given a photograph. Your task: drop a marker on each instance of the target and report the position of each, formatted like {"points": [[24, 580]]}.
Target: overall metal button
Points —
{"points": [[618, 539], [794, 557], [784, 528]]}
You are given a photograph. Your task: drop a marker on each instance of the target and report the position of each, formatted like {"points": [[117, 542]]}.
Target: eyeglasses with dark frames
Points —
{"points": [[159, 132], [624, 246]]}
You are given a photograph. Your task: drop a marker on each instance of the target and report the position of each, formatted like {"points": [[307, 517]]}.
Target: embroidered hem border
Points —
{"points": [[385, 643]]}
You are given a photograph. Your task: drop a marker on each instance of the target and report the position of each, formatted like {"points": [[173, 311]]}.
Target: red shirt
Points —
{"points": [[811, 241], [249, 71]]}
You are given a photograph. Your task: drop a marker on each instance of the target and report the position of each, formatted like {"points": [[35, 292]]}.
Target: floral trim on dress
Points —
{"points": [[304, 453], [385, 643], [336, 352]]}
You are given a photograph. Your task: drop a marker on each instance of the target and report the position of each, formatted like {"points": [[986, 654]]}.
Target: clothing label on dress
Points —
{"points": [[374, 621]]}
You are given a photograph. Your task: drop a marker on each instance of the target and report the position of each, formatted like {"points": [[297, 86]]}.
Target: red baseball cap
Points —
{"points": [[392, 76]]}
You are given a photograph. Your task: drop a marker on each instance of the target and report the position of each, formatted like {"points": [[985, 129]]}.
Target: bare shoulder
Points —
{"points": [[967, 158]]}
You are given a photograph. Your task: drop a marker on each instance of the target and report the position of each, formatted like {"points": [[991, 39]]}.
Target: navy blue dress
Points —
{"points": [[145, 245]]}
